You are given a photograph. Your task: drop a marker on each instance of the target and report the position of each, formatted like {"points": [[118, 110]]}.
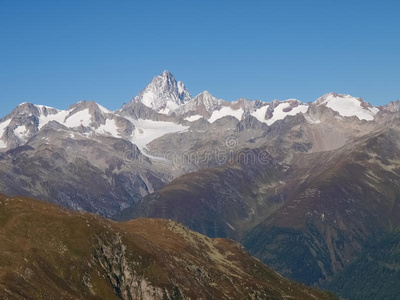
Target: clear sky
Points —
{"points": [[59, 52]]}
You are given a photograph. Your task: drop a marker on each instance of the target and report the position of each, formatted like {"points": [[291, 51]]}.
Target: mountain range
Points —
{"points": [[305, 187]]}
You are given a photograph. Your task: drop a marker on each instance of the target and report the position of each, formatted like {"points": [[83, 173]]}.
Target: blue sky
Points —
{"points": [[59, 52]]}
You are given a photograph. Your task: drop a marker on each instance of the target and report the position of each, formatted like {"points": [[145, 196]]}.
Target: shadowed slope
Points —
{"points": [[50, 253]]}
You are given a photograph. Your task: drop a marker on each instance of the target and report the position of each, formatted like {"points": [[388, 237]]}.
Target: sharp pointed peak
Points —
{"points": [[205, 93], [26, 104], [164, 91], [85, 104], [166, 73]]}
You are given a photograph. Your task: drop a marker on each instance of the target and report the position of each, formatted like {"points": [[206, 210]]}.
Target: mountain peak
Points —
{"points": [[207, 99], [204, 95], [348, 106], [167, 73], [164, 93], [392, 106], [91, 105]]}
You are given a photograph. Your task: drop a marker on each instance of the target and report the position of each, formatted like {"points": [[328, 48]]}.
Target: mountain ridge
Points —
{"points": [[49, 252], [27, 119]]}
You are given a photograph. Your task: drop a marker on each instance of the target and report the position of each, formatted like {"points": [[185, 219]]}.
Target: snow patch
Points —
{"points": [[279, 112], [348, 106], [170, 106], [226, 111], [103, 109], [193, 118], [3, 127], [80, 118], [259, 114], [58, 117], [21, 132], [148, 98], [312, 120], [147, 131], [110, 128], [181, 87]]}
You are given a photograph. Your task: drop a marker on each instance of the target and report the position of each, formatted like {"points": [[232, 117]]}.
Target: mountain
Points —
{"points": [[348, 106], [84, 118], [48, 252], [328, 184], [203, 105], [163, 94], [304, 186], [392, 106], [333, 210]]}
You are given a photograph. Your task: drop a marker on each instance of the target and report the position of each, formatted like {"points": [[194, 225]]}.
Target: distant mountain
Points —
{"points": [[348, 106], [163, 94], [50, 253], [392, 106], [203, 105], [84, 118]]}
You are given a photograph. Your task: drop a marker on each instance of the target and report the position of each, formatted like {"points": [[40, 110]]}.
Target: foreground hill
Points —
{"points": [[50, 253]]}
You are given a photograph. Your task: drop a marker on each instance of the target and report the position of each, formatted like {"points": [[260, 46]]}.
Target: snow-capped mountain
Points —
{"points": [[203, 105], [163, 94], [83, 118], [207, 106], [348, 106], [165, 106]]}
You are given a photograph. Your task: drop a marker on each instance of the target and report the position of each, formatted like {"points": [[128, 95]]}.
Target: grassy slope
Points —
{"points": [[50, 253]]}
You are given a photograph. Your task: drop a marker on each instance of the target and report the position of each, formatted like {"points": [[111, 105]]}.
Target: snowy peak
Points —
{"points": [[91, 105], [247, 105], [24, 109], [348, 106], [164, 94], [22, 123], [206, 101], [86, 118], [201, 106]]}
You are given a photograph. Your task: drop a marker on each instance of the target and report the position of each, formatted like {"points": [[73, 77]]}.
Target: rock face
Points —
{"points": [[50, 253], [392, 106]]}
